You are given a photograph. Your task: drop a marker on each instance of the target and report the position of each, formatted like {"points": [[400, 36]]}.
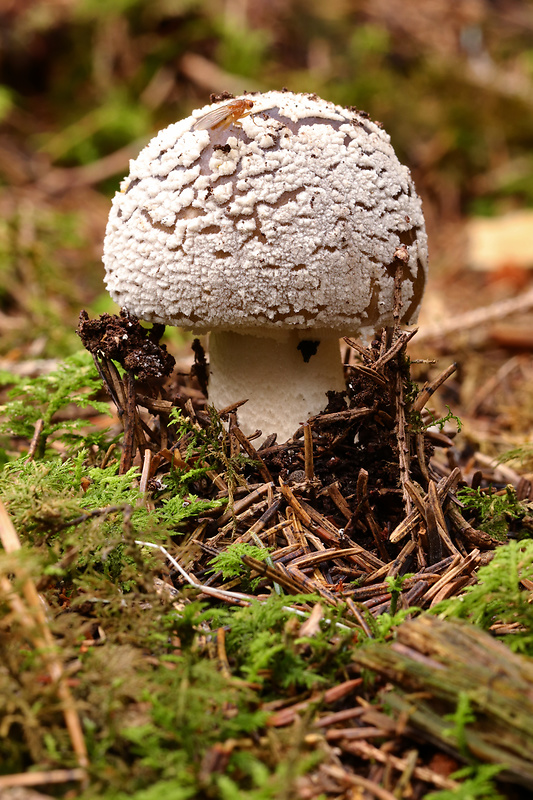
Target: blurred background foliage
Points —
{"points": [[85, 83]]}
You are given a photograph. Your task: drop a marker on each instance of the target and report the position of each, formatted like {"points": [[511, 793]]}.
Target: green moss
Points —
{"points": [[494, 511], [498, 596]]}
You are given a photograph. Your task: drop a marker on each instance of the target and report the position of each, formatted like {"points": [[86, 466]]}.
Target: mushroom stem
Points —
{"points": [[283, 379]]}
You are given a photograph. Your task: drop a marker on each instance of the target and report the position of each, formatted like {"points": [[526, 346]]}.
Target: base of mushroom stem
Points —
{"points": [[284, 379]]}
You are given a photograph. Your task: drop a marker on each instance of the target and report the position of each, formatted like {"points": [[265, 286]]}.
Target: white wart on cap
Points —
{"points": [[276, 234]]}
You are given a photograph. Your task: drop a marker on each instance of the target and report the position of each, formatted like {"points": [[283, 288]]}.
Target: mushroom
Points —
{"points": [[277, 233]]}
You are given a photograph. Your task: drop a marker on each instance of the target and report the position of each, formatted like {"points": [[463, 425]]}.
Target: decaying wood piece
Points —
{"points": [[434, 664]]}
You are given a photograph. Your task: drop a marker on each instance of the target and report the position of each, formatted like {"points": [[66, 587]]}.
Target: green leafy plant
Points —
{"points": [[395, 584], [45, 497], [462, 717], [498, 596], [183, 506], [262, 782], [207, 446], [65, 504], [263, 639], [230, 563], [493, 510], [419, 427], [383, 626], [193, 440], [75, 381], [476, 784], [188, 713]]}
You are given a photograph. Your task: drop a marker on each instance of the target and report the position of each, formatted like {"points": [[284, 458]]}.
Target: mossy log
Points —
{"points": [[438, 667]]}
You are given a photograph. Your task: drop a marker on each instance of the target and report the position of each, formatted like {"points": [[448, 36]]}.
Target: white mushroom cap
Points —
{"points": [[288, 223]]}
